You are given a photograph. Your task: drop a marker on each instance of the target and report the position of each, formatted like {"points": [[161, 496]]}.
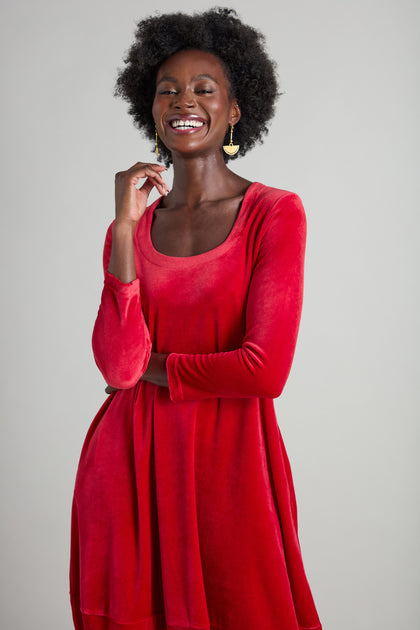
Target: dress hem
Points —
{"points": [[155, 622]]}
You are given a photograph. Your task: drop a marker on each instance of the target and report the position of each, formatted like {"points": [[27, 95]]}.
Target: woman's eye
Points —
{"points": [[203, 91]]}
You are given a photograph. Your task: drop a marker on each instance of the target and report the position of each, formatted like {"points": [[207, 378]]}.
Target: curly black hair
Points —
{"points": [[249, 70]]}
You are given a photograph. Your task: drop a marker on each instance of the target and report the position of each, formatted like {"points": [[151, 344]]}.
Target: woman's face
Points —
{"points": [[193, 107]]}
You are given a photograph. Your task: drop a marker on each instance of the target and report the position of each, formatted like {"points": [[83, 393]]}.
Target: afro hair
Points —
{"points": [[249, 70]]}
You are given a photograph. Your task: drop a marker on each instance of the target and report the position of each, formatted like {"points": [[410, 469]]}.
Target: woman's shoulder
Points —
{"points": [[269, 202], [271, 196], [275, 215]]}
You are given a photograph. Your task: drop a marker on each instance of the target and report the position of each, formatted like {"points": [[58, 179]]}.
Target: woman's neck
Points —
{"points": [[201, 179]]}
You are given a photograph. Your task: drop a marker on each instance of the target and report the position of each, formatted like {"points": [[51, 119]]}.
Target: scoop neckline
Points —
{"points": [[158, 257]]}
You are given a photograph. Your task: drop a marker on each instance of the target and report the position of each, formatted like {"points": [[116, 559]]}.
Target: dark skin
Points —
{"points": [[200, 210]]}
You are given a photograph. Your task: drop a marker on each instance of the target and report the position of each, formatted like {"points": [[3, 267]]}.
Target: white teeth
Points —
{"points": [[186, 123]]}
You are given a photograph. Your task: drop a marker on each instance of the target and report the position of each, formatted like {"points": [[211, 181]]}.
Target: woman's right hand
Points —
{"points": [[130, 201], [130, 204]]}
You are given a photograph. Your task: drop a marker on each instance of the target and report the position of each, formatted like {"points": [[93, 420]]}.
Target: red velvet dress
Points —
{"points": [[184, 514]]}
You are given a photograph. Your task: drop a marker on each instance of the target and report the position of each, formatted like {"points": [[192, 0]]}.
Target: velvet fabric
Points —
{"points": [[184, 514]]}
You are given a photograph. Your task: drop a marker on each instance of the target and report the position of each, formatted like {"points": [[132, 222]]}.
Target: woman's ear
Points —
{"points": [[235, 112]]}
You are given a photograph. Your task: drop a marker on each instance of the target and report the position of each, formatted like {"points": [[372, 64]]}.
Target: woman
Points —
{"points": [[184, 512]]}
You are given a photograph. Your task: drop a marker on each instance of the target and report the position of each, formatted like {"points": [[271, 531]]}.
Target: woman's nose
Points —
{"points": [[185, 98]]}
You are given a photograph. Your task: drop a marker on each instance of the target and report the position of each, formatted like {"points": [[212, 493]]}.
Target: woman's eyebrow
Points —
{"points": [[198, 76]]}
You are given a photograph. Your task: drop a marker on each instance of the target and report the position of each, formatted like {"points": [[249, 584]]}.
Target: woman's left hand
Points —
{"points": [[155, 372], [109, 389]]}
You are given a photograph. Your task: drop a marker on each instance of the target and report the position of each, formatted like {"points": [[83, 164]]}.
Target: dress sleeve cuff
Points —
{"points": [[127, 288], [175, 389]]}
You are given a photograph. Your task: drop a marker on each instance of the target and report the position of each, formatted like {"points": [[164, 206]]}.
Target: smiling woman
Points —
{"points": [[240, 50], [184, 513]]}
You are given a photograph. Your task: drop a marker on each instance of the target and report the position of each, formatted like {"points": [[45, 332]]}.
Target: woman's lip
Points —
{"points": [[185, 130], [185, 117]]}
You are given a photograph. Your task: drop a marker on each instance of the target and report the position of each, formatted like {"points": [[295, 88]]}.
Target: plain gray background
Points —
{"points": [[346, 139]]}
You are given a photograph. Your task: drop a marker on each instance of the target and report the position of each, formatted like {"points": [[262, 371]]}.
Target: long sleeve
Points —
{"points": [[120, 340], [260, 367]]}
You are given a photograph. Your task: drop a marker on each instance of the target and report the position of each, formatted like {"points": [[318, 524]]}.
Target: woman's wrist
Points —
{"points": [[123, 227], [122, 262], [156, 370]]}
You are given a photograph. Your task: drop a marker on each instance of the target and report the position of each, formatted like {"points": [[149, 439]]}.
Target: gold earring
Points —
{"points": [[156, 143], [231, 149]]}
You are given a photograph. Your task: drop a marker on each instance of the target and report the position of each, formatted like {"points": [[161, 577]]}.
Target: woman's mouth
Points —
{"points": [[179, 125]]}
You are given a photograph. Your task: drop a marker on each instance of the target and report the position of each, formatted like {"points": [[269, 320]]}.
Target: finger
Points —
{"points": [[150, 182], [150, 164], [147, 171], [156, 167], [158, 181], [150, 171], [147, 186]]}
